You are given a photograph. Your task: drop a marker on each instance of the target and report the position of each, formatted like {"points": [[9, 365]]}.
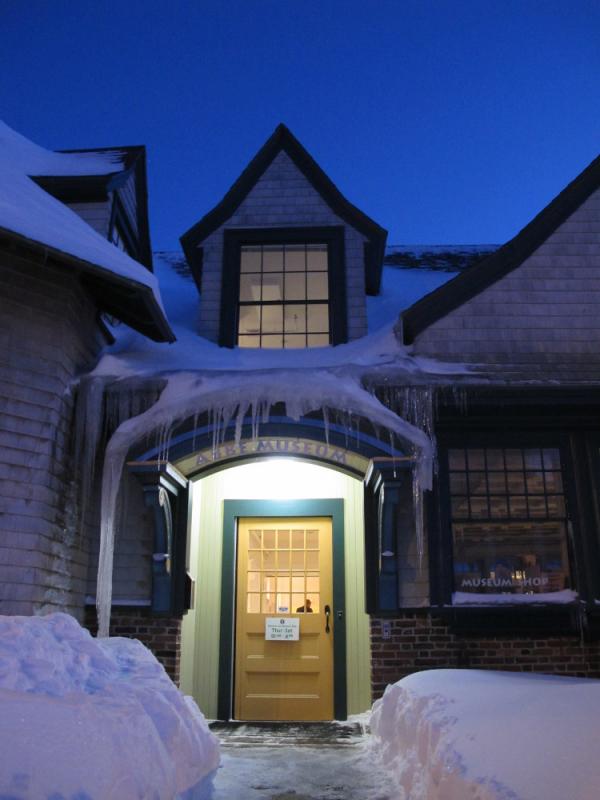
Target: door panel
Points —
{"points": [[283, 563]]}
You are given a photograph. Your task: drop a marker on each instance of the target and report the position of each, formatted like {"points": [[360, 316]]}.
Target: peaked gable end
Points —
{"points": [[484, 274], [282, 140]]}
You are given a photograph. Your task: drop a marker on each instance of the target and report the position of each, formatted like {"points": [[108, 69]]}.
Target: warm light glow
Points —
{"points": [[281, 479]]}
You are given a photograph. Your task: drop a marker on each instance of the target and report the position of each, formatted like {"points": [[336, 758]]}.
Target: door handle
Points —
{"points": [[327, 615]]}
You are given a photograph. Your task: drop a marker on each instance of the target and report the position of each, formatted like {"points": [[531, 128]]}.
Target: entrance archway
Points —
{"points": [[298, 488], [304, 469]]}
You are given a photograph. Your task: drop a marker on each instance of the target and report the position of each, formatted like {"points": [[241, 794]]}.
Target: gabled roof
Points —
{"points": [[32, 219], [479, 276], [88, 188], [283, 139]]}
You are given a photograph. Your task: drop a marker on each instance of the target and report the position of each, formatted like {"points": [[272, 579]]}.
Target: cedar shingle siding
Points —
{"points": [[49, 334], [283, 197], [541, 320]]}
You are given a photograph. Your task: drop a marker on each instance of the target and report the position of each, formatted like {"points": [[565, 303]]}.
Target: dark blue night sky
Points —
{"points": [[447, 122]]}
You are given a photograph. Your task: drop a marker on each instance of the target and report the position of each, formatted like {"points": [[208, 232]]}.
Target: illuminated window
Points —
{"points": [[509, 520], [283, 288], [284, 296]]}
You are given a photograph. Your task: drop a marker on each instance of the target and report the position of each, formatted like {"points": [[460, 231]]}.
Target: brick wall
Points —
{"points": [[161, 635], [283, 197], [420, 641]]}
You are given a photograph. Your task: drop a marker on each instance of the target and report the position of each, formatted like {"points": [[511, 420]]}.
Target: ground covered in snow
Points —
{"points": [[478, 735], [300, 762], [89, 719]]}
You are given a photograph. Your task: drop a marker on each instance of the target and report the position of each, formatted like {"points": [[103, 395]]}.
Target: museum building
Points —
{"points": [[293, 514]]}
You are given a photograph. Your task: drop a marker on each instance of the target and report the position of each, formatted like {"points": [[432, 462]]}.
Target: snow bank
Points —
{"points": [[94, 719], [458, 734]]}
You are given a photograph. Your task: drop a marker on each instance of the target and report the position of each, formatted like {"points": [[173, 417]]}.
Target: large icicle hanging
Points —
{"points": [[226, 397]]}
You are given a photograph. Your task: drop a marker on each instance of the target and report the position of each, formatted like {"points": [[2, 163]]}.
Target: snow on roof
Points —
{"points": [[32, 159], [133, 354], [29, 212], [446, 257]]}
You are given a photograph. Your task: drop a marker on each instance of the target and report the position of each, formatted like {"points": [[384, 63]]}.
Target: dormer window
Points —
{"points": [[284, 296], [284, 260], [283, 288]]}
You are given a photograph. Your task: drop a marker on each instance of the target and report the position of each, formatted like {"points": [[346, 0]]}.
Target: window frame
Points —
{"points": [[507, 617], [235, 238]]}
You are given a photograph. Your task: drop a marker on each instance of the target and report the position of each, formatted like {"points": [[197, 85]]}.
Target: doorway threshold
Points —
{"points": [[286, 734]]}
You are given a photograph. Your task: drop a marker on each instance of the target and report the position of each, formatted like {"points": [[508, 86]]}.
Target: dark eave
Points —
{"points": [[75, 188], [283, 139], [96, 188], [480, 276], [132, 302]]}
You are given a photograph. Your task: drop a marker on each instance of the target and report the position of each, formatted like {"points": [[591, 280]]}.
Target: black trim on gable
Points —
{"points": [[283, 139], [480, 276]]}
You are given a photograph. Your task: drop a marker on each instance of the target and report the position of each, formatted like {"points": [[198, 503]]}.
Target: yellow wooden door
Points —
{"points": [[284, 566]]}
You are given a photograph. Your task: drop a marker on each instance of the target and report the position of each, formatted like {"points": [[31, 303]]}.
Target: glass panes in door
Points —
{"points": [[283, 570]]}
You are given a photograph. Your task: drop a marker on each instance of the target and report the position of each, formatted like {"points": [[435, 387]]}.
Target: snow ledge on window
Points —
{"points": [[480, 599]]}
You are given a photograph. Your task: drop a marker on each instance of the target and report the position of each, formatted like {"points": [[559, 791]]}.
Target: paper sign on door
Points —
{"points": [[282, 629]]}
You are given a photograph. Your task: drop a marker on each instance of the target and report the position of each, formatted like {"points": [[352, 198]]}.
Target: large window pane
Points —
{"points": [[249, 319], [294, 340], [295, 319], [317, 287], [316, 257], [249, 341], [295, 286], [508, 520], [272, 288], [317, 318], [271, 341], [250, 259], [318, 339], [272, 258], [295, 258], [272, 319], [276, 281], [250, 285]]}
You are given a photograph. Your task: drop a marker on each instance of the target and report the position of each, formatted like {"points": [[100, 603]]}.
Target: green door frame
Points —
{"points": [[232, 511]]}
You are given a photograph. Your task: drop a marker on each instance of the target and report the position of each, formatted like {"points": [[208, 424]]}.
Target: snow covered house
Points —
{"points": [[59, 278], [310, 495]]}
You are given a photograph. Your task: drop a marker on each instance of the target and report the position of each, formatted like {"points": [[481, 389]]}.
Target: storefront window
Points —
{"points": [[508, 518]]}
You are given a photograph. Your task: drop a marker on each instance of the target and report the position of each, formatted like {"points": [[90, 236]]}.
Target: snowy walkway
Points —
{"points": [[298, 762]]}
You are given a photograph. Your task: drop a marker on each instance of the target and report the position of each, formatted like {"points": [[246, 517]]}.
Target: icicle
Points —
{"points": [[418, 514], [88, 435], [326, 423]]}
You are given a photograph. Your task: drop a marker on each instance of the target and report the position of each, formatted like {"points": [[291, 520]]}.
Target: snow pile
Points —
{"points": [[457, 734], [94, 719], [29, 211]]}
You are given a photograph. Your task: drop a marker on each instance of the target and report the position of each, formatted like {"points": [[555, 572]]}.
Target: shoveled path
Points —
{"points": [[310, 761]]}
